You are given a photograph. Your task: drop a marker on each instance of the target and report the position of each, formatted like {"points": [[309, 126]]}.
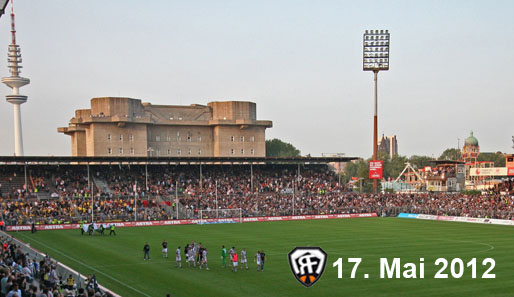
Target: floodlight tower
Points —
{"points": [[15, 82], [375, 58]]}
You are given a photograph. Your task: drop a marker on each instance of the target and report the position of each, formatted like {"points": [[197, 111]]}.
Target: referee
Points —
{"points": [[146, 250]]}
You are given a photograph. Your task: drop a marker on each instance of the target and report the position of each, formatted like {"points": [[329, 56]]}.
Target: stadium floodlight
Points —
{"points": [[375, 57], [376, 50]]}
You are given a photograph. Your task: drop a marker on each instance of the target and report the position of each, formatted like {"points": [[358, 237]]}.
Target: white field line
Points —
{"points": [[88, 266]]}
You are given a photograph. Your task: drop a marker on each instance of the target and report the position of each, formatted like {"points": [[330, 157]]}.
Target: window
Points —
{"points": [[131, 137], [242, 151], [121, 137], [169, 152], [252, 138], [109, 150], [189, 139], [232, 138], [199, 139], [231, 151], [158, 151], [168, 138], [242, 138], [189, 151], [121, 151], [252, 152], [131, 150], [109, 137], [157, 138], [179, 152], [199, 151]]}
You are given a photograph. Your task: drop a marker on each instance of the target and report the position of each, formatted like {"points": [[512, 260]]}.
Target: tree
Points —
{"points": [[452, 154], [359, 169], [396, 165], [498, 158], [278, 148], [420, 162]]}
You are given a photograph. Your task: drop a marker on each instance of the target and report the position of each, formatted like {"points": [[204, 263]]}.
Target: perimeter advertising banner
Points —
{"points": [[510, 171], [203, 221], [375, 169], [491, 171]]}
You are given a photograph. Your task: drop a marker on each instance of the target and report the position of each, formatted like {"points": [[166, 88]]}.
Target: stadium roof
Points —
{"points": [[67, 160], [446, 162]]}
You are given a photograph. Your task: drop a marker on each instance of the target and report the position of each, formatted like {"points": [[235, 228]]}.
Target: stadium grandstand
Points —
{"points": [[56, 190]]}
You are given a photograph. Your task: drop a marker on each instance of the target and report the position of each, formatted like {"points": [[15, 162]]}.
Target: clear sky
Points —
{"points": [[452, 67]]}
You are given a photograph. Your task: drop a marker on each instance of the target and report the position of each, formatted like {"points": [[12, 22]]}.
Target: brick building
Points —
{"points": [[388, 145]]}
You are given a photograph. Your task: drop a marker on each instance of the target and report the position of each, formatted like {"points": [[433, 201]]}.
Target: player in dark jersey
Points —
{"points": [[263, 258], [200, 255], [165, 249], [186, 249]]}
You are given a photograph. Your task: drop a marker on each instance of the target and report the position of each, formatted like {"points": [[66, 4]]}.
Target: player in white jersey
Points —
{"points": [[191, 258], [178, 258], [194, 252], [258, 260], [204, 260], [243, 259]]}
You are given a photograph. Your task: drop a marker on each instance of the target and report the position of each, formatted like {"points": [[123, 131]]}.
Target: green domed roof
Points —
{"points": [[471, 140]]}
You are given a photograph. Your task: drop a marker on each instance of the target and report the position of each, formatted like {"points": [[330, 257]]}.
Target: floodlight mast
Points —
{"points": [[375, 57]]}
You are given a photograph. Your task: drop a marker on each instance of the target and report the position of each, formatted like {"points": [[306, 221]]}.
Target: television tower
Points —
{"points": [[15, 82]]}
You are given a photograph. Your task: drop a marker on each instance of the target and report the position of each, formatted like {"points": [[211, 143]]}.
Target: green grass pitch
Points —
{"points": [[118, 260]]}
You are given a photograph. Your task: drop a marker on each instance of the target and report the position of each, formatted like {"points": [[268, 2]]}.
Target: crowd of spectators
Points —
{"points": [[273, 190], [24, 276], [68, 210]]}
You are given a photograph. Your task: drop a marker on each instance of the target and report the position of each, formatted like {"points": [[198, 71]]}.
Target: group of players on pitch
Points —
{"points": [[196, 255]]}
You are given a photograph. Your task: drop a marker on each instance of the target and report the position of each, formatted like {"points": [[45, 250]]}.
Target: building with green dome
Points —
{"points": [[471, 149]]}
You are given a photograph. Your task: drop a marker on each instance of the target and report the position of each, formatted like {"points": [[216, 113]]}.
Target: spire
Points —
{"points": [[13, 28]]}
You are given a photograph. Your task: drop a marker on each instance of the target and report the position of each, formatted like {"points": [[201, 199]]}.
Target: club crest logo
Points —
{"points": [[307, 264]]}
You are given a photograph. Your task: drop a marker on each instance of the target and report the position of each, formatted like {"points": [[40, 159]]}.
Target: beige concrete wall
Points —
{"points": [[78, 144], [100, 143], [164, 114], [111, 106], [233, 110], [90, 150], [167, 140], [228, 138], [82, 113]]}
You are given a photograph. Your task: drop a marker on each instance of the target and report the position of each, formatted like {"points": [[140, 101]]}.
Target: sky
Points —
{"points": [[300, 61]]}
